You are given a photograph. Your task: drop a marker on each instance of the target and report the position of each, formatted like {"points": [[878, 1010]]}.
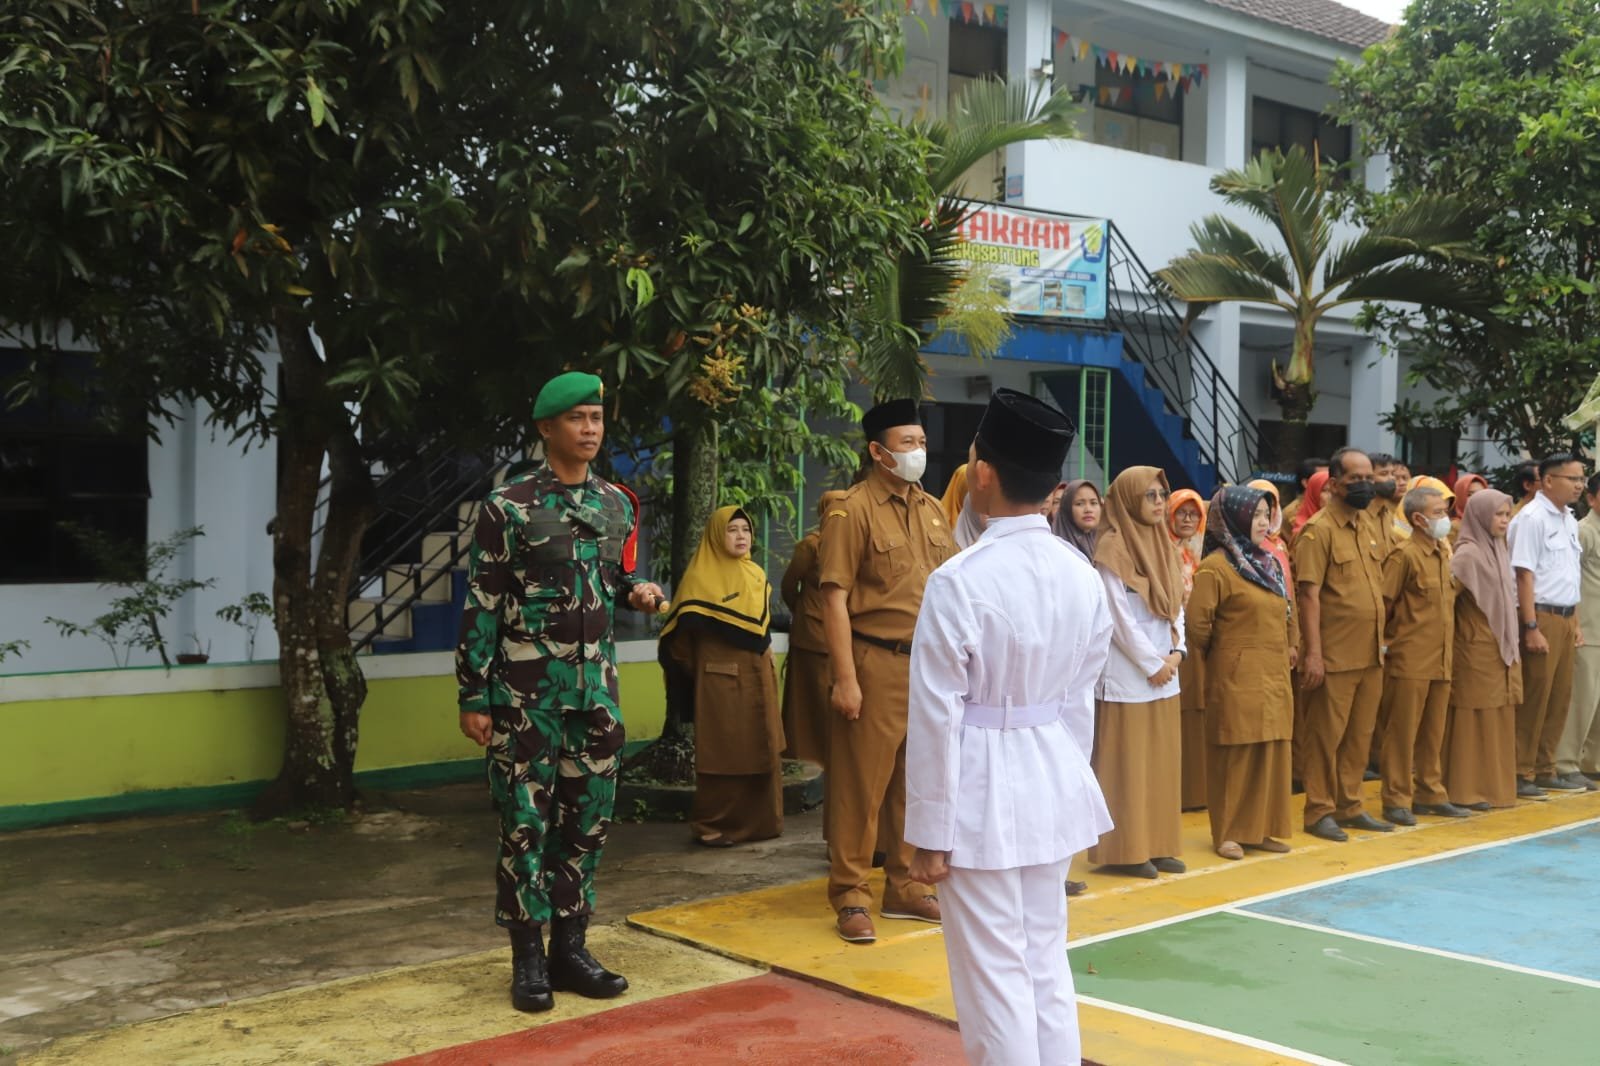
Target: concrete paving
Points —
{"points": [[118, 922]]}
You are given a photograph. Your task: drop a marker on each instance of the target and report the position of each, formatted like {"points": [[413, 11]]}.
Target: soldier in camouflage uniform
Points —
{"points": [[538, 678]]}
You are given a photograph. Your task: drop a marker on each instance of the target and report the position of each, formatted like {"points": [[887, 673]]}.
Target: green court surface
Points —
{"points": [[1481, 956]]}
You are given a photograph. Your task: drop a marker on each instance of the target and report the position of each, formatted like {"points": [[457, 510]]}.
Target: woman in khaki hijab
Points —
{"points": [[1137, 728]]}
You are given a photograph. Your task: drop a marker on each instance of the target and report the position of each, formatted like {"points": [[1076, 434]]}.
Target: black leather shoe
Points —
{"points": [[1136, 869], [530, 974], [1529, 791], [573, 969], [1076, 888], [1399, 816], [1168, 865], [1367, 822], [1369, 774], [1326, 828], [1442, 810], [1481, 806]]}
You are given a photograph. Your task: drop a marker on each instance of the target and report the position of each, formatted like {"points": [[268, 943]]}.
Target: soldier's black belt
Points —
{"points": [[1550, 608], [899, 647]]}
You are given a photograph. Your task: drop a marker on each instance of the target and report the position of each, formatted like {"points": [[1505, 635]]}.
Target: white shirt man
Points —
{"points": [[999, 792], [1545, 553]]}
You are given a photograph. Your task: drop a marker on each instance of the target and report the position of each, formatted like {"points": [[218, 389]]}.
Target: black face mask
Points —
{"points": [[1385, 488], [1358, 494]]}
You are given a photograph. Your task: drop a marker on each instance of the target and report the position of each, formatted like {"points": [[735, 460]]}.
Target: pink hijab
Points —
{"points": [[1482, 563]]}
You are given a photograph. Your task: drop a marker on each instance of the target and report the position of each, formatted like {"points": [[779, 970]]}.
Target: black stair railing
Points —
{"points": [[1195, 390]]}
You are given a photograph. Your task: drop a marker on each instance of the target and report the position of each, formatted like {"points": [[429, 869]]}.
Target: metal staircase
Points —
{"points": [[410, 581], [1176, 364]]}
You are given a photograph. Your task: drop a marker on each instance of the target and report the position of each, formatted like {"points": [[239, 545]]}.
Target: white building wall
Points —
{"points": [[197, 478]]}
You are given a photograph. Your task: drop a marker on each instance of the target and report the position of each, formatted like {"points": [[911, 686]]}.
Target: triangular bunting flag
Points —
{"points": [[1083, 50], [1114, 60], [1161, 89]]}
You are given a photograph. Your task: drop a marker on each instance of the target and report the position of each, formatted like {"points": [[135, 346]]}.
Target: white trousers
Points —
{"points": [[1005, 935]]}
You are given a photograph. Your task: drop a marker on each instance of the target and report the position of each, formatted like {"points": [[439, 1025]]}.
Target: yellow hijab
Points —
{"points": [[955, 495], [1402, 524], [719, 586]]}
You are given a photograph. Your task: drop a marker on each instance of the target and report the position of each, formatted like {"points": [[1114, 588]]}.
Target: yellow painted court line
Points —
{"points": [[384, 1016], [790, 927]]}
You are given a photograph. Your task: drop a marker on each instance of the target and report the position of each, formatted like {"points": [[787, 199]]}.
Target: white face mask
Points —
{"points": [[1439, 528], [910, 466]]}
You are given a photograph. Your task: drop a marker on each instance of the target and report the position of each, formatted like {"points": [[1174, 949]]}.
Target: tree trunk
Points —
{"points": [[309, 776], [670, 758], [351, 502], [694, 489], [1297, 395]]}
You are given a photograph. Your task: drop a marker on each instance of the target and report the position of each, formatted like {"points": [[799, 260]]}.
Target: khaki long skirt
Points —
{"points": [[738, 807], [1248, 792], [1480, 755], [1138, 760], [806, 710]]}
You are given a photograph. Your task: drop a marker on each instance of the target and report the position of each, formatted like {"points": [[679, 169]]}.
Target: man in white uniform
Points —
{"points": [[999, 793]]}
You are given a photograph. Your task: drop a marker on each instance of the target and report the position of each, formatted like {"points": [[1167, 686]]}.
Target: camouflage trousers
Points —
{"points": [[553, 774]]}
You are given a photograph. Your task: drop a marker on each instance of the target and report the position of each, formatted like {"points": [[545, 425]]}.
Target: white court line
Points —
{"points": [[1338, 879], [1420, 948], [1294, 1054]]}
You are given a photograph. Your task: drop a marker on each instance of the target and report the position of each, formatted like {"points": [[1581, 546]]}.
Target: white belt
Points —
{"points": [[1011, 716]]}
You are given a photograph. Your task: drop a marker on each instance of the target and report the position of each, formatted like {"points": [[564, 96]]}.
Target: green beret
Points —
{"points": [[566, 391]]}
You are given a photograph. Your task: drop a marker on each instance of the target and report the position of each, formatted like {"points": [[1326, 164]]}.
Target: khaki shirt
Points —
{"points": [[1420, 595], [803, 597], [1589, 574], [1339, 550], [1242, 633], [880, 549], [1383, 514]]}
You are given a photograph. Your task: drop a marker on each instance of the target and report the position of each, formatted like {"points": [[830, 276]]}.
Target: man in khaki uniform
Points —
{"points": [[1338, 561], [1578, 754], [879, 544], [1419, 592]]}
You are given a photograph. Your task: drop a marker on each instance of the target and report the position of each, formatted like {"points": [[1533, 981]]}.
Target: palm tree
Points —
{"points": [[1403, 256], [923, 295]]}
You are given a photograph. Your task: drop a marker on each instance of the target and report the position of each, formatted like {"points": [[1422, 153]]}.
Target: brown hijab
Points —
{"points": [[1142, 556], [1482, 563]]}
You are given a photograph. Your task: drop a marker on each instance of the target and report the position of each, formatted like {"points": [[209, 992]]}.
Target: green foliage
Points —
{"points": [[1499, 98], [1402, 255], [248, 614], [13, 648], [133, 620], [925, 291]]}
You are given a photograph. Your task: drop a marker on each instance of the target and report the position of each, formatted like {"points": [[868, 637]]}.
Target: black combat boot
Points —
{"points": [[530, 974], [572, 968]]}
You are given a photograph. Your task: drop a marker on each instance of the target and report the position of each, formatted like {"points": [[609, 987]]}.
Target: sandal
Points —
{"points": [[1229, 850], [714, 840]]}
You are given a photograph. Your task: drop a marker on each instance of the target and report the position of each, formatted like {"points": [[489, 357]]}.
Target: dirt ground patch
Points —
{"points": [[116, 922]]}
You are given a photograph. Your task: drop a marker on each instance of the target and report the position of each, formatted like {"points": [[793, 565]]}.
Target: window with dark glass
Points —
{"points": [[1136, 115], [60, 466], [1276, 125]]}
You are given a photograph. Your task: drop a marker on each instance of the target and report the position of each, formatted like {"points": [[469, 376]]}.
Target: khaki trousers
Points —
{"points": [[1413, 741], [1579, 750], [1546, 695], [1340, 714], [866, 776]]}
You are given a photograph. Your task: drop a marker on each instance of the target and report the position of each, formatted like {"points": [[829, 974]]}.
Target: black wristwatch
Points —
{"points": [[1529, 627], [1180, 653]]}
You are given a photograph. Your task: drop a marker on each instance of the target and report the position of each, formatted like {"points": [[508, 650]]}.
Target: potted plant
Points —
{"points": [[196, 657]]}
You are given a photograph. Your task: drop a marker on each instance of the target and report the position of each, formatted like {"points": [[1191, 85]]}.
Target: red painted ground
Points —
{"points": [[767, 1019]]}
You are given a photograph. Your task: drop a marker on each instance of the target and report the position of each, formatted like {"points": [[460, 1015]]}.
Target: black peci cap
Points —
{"points": [[1024, 431], [889, 414]]}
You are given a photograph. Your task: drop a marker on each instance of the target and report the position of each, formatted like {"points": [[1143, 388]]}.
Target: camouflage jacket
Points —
{"points": [[545, 572]]}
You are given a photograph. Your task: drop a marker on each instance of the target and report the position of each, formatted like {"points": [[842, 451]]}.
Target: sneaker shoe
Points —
{"points": [[1578, 781], [1530, 791], [1564, 783], [855, 925], [925, 909]]}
